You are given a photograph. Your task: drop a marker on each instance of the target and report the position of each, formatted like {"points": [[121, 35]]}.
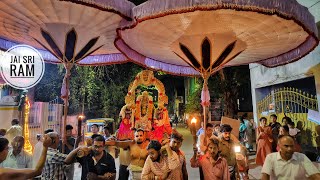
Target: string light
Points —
{"points": [[27, 144]]}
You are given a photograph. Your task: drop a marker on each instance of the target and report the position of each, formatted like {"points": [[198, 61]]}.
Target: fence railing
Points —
{"points": [[295, 104]]}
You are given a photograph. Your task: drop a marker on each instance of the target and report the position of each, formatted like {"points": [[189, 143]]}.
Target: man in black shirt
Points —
{"points": [[96, 162], [70, 143], [275, 126]]}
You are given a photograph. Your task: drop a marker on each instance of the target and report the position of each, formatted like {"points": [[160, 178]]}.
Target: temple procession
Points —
{"points": [[159, 89]]}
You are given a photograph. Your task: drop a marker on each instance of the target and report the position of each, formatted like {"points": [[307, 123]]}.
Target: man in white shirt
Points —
{"points": [[293, 131], [37, 150], [14, 130], [17, 157], [287, 164], [200, 131], [204, 138], [13, 174]]}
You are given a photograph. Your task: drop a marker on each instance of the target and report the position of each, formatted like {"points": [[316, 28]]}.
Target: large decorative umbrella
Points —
{"points": [[66, 31], [199, 37]]}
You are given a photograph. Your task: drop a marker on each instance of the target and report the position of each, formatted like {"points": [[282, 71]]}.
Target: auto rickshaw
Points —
{"points": [[101, 122]]}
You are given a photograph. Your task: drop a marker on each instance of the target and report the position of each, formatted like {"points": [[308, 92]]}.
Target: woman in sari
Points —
{"points": [[264, 141]]}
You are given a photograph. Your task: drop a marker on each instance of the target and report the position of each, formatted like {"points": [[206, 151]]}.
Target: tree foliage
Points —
{"points": [[50, 85], [226, 85], [101, 90], [98, 90], [193, 105]]}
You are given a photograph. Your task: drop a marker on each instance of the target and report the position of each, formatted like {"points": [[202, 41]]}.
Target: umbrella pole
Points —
{"points": [[204, 117], [66, 105], [65, 114], [205, 98]]}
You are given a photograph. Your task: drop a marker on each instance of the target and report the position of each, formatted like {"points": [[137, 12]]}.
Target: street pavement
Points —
{"points": [[254, 172]]}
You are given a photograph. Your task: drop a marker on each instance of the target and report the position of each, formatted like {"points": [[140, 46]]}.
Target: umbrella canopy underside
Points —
{"points": [[184, 37], [67, 29], [170, 35]]}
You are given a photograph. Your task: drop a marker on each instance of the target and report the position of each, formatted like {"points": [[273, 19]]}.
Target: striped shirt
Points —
{"points": [[163, 168], [53, 169], [20, 161], [178, 172]]}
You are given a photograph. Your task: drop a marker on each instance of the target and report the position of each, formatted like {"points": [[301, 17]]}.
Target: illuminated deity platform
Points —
{"points": [[142, 111]]}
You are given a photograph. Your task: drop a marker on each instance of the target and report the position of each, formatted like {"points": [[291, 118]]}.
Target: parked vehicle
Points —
{"points": [[101, 122]]}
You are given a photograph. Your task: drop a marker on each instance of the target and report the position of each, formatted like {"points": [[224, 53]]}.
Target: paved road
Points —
{"points": [[254, 172]]}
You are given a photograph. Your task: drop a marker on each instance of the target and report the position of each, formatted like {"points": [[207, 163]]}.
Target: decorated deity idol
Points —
{"points": [[161, 123], [153, 121], [143, 113]]}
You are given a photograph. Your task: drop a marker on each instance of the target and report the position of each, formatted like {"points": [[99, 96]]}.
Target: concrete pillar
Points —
{"points": [[315, 70]]}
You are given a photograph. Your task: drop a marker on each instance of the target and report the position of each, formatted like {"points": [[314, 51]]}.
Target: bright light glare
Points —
{"points": [[237, 149], [193, 120]]}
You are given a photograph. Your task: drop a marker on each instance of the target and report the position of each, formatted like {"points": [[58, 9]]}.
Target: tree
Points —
{"points": [[101, 90], [50, 85], [193, 105], [226, 85]]}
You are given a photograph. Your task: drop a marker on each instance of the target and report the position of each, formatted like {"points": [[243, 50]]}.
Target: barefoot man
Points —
{"points": [[138, 152]]}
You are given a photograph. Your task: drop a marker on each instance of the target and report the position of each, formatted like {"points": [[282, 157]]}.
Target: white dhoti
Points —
{"points": [[135, 172]]}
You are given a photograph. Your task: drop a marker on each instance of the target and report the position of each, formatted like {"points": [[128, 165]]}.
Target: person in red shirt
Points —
{"points": [[213, 166]]}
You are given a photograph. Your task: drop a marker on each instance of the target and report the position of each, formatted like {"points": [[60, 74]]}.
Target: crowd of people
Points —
{"points": [[268, 136], [141, 158]]}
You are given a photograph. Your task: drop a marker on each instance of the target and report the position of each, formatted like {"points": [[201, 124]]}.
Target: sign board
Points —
{"points": [[271, 107], [234, 123], [314, 116]]}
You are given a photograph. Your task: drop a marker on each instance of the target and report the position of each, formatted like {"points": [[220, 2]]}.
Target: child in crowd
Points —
{"points": [[242, 131], [284, 131], [293, 131], [216, 130]]}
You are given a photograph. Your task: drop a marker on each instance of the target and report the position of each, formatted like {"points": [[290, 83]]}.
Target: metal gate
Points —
{"points": [[295, 104]]}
